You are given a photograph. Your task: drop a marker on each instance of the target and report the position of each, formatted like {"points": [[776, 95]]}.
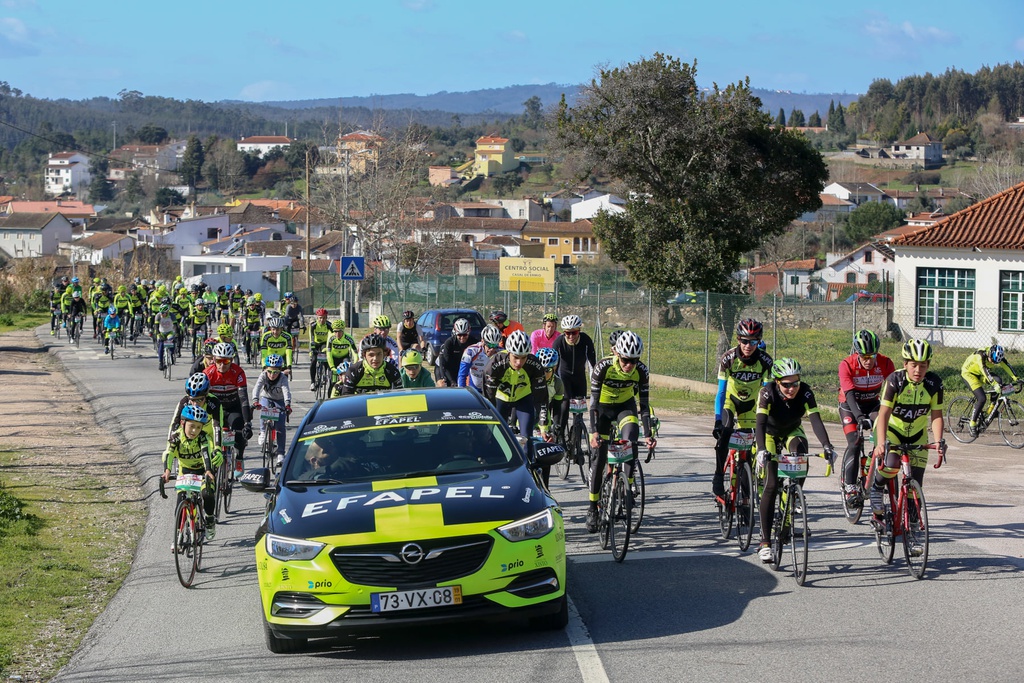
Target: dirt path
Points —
{"points": [[50, 430]]}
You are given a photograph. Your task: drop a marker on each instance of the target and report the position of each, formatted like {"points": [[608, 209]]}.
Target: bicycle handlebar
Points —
{"points": [[906, 449], [163, 493]]}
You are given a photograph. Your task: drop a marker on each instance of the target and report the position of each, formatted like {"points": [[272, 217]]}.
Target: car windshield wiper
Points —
{"points": [[312, 482]]}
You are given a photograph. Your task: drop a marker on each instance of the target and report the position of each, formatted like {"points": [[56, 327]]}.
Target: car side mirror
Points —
{"points": [[548, 454], [257, 480]]}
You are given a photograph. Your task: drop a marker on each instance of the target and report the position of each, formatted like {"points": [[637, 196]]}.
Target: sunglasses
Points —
{"points": [[464, 334], [868, 356], [221, 360], [748, 342], [789, 385], [273, 371], [571, 333], [627, 361]]}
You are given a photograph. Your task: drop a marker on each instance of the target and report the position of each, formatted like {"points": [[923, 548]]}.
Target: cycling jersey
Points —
{"points": [[319, 334], [539, 340], [471, 367], [212, 407], [292, 316], [449, 359], [280, 344], [123, 303], [199, 317], [339, 350], [860, 385], [423, 380], [192, 454], [229, 386], [778, 418], [976, 370], [502, 382], [361, 378], [407, 336], [912, 406], [611, 385], [572, 363], [740, 380], [276, 389]]}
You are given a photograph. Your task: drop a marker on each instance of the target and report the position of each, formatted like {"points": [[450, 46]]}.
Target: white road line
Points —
{"points": [[587, 658]]}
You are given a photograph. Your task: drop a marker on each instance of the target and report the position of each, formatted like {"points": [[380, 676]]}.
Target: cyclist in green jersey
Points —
{"points": [[911, 403], [319, 333], [275, 340], [741, 373], [372, 374], [977, 372], [341, 348], [413, 374], [197, 454], [556, 416], [617, 383]]}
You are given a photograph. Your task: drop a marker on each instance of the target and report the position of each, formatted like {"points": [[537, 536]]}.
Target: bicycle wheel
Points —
{"points": [[561, 470], [958, 418], [885, 541], [229, 479], [915, 529], [584, 453], [852, 509], [217, 507], [620, 519], [322, 382], [639, 496], [779, 530], [197, 556], [604, 525], [168, 355], [744, 510], [184, 542], [798, 533], [1011, 423], [725, 512]]}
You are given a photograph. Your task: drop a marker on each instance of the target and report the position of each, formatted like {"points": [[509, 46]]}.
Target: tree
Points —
{"points": [[871, 218], [133, 190], [152, 135], [224, 168], [837, 120], [796, 118], [100, 189], [712, 178], [165, 196], [814, 120], [191, 168], [781, 118], [534, 114]]}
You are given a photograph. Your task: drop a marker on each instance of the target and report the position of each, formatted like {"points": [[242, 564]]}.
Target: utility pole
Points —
{"points": [[307, 218], [115, 137]]}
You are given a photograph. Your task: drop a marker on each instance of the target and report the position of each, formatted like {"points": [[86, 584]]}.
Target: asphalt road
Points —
{"points": [[685, 604]]}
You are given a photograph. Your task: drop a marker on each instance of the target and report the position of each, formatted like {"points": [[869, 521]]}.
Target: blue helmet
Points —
{"points": [[112, 310], [194, 414], [197, 385], [996, 353], [74, 280], [273, 361], [547, 357]]}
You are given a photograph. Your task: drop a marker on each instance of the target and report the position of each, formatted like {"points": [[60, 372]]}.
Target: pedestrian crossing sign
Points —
{"points": [[352, 267]]}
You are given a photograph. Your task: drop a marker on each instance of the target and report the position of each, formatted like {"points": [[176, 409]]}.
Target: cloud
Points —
{"points": [[881, 29], [516, 36], [281, 47], [262, 91], [418, 5], [15, 40]]}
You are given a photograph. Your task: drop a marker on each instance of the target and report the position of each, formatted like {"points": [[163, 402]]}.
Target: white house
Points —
{"points": [[960, 282], [187, 235], [922, 147], [210, 264], [23, 235], [66, 172], [100, 246], [831, 207], [862, 266], [855, 193], [261, 144], [518, 208], [589, 208]]}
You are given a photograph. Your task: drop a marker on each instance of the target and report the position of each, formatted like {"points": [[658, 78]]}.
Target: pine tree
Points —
{"points": [[781, 118]]}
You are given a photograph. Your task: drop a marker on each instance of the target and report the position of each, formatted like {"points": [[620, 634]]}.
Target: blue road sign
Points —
{"points": [[352, 267]]}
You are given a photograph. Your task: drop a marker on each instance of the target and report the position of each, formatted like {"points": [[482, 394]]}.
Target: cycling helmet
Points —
{"points": [[550, 318], [866, 343], [208, 347], [248, 292], [499, 318], [784, 367], [224, 350], [75, 280], [289, 295], [197, 385], [548, 358], [917, 350], [461, 326], [200, 304], [996, 353], [164, 308], [382, 321], [321, 312], [194, 414], [628, 345], [408, 315], [238, 286], [76, 294], [121, 289], [762, 346], [412, 357], [749, 329], [224, 330], [275, 322], [572, 322], [491, 336], [95, 280], [372, 341], [614, 337], [221, 289], [343, 367], [518, 344], [258, 296], [273, 361], [338, 325], [112, 310]]}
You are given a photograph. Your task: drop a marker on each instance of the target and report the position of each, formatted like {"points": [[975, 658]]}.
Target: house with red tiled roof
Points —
{"points": [[566, 243], [854, 270], [261, 144], [922, 148], [789, 278], [97, 248], [493, 156], [960, 281], [831, 208]]}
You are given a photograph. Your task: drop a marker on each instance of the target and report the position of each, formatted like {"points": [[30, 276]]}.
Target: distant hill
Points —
{"points": [[509, 100]]}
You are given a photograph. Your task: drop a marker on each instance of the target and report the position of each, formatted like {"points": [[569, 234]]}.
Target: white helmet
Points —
{"points": [[491, 335], [628, 345], [518, 344], [224, 350], [572, 322], [461, 326]]}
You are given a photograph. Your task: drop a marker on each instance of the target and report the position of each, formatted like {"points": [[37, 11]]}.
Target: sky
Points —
{"points": [[259, 51]]}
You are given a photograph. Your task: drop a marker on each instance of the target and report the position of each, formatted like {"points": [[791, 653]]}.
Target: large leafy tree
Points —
{"points": [[871, 218], [711, 176], [191, 168]]}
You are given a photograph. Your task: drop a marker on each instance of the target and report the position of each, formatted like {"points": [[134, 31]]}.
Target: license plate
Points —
{"points": [[417, 599]]}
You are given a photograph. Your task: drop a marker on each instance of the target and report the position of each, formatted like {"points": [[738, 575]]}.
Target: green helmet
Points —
{"points": [[382, 321], [784, 367], [866, 343], [917, 350], [338, 325]]}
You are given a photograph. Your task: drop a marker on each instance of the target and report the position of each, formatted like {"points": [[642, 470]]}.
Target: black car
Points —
{"points": [[435, 327]]}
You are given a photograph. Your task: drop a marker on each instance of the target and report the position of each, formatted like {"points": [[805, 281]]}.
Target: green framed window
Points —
{"points": [[945, 297]]}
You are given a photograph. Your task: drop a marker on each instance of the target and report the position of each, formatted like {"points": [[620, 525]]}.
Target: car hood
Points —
{"points": [[400, 508]]}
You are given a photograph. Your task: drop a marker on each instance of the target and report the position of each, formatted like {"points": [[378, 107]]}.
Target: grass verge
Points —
{"points": [[10, 322], [67, 538]]}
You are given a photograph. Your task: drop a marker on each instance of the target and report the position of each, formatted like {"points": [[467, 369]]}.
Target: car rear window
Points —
{"points": [[474, 318]]}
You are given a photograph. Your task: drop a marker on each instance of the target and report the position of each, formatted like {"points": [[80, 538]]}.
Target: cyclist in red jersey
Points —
{"points": [[861, 376], [227, 383]]}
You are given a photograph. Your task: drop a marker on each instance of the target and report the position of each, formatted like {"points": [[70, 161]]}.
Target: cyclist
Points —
{"points": [[372, 374], [98, 306], [56, 316], [164, 327], [413, 374], [514, 383], [575, 349], [616, 385], [227, 383], [319, 334], [237, 298], [197, 393], [475, 357], [911, 402], [272, 390], [555, 418], [275, 340], [101, 303], [293, 321], [198, 318], [977, 372], [197, 454], [546, 335], [382, 328], [741, 373], [223, 305], [861, 375], [341, 348], [205, 359], [449, 358], [500, 320], [111, 322], [780, 406], [253, 321], [408, 336]]}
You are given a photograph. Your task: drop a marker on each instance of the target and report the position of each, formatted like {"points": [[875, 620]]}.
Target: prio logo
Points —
{"points": [[318, 584], [518, 564]]}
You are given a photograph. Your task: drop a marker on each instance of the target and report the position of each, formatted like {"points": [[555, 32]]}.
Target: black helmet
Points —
{"points": [[372, 341]]}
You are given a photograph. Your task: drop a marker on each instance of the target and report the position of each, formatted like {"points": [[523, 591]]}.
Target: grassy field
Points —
{"points": [[22, 321]]}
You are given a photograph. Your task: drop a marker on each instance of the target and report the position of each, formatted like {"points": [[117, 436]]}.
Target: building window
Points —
{"points": [[566, 259], [1011, 300], [794, 279], [851, 278], [552, 241], [867, 256], [522, 213], [945, 297], [872, 277]]}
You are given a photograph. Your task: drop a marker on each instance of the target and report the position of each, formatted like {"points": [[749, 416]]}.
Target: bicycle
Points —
{"points": [[321, 379], [1008, 413], [189, 526], [577, 441], [739, 492], [252, 348], [616, 502], [909, 517], [225, 473], [199, 335], [270, 416], [168, 356], [789, 525], [853, 508], [114, 340], [75, 331], [136, 327]]}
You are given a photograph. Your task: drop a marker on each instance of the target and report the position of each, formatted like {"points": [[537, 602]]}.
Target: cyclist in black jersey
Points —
{"points": [[514, 383], [408, 335], [575, 349]]}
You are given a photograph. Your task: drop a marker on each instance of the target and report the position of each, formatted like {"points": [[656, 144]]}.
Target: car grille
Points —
{"points": [[443, 559]]}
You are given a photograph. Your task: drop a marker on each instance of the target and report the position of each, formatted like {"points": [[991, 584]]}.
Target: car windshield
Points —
{"points": [[400, 451], [473, 317]]}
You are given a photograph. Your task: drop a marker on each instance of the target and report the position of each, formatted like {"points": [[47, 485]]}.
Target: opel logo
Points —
{"points": [[411, 553]]}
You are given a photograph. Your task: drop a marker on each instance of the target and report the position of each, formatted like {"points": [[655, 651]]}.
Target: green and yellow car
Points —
{"points": [[407, 507]]}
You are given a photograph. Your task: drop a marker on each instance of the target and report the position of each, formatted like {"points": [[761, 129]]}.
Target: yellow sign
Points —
{"points": [[518, 274]]}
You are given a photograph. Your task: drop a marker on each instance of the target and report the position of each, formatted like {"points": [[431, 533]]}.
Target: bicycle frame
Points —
{"points": [[897, 521]]}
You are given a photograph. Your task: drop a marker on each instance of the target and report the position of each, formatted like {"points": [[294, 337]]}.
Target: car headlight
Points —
{"points": [[285, 549], [534, 526]]}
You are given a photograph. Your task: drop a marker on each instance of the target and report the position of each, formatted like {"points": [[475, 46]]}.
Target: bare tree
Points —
{"points": [[997, 172]]}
